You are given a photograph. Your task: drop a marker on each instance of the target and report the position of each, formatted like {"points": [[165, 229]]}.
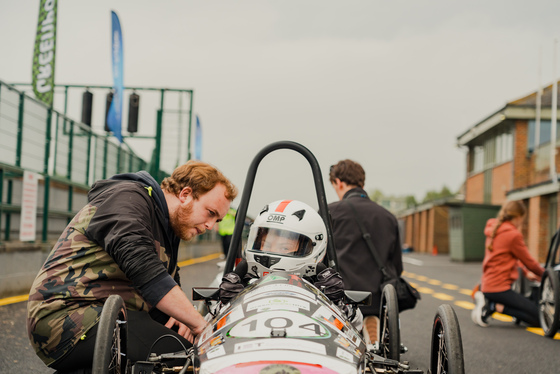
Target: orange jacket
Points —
{"points": [[499, 268]]}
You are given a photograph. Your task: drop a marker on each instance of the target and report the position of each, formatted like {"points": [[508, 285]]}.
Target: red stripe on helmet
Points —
{"points": [[282, 206]]}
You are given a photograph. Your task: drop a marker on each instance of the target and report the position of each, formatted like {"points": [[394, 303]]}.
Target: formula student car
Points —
{"points": [[281, 323]]}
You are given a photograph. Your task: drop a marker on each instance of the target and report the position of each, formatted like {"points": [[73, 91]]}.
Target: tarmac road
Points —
{"points": [[500, 348]]}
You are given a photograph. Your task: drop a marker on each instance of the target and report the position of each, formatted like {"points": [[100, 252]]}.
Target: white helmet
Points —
{"points": [[287, 235]]}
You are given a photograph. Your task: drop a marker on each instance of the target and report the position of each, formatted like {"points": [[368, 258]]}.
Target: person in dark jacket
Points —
{"points": [[356, 264], [125, 241]]}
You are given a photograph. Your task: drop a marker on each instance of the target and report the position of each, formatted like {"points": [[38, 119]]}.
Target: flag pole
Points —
{"points": [[539, 98], [553, 120]]}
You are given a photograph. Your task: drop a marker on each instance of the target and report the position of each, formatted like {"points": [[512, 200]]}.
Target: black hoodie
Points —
{"points": [[133, 237], [119, 243]]}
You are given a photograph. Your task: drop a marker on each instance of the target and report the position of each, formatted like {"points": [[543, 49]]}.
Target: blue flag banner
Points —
{"points": [[114, 117], [198, 141]]}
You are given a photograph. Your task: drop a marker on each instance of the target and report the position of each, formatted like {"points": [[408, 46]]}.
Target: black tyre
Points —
{"points": [[389, 332], [109, 355], [447, 347], [549, 303]]}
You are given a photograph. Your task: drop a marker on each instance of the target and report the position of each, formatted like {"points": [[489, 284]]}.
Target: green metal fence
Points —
{"points": [[68, 155]]}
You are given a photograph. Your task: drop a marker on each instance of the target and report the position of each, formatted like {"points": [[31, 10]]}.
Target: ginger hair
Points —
{"points": [[200, 177], [509, 211]]}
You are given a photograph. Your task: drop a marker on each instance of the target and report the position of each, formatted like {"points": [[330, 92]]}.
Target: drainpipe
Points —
{"points": [[553, 174], [538, 115]]}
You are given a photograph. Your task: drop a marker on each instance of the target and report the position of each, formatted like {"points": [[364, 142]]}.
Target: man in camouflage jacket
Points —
{"points": [[124, 241]]}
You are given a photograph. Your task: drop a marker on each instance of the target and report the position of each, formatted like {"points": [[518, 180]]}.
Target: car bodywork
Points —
{"points": [[280, 324]]}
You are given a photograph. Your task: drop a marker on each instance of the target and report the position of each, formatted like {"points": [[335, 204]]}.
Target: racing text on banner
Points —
{"points": [[44, 52]]}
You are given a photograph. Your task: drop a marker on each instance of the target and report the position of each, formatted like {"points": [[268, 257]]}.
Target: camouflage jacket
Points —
{"points": [[119, 243]]}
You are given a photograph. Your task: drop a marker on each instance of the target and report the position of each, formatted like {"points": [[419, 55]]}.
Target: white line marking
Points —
{"points": [[413, 261]]}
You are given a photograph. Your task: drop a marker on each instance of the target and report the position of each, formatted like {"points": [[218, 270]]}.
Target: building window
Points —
{"points": [[478, 159], [544, 133], [489, 153], [495, 150], [504, 147]]}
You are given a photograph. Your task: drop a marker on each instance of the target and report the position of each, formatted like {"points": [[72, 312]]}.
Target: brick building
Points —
{"points": [[508, 158]]}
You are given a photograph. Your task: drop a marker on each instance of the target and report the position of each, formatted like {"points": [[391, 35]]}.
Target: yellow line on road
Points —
{"points": [[502, 317], [464, 304], [443, 296], [461, 303], [198, 260], [192, 261], [425, 290], [539, 331], [13, 299]]}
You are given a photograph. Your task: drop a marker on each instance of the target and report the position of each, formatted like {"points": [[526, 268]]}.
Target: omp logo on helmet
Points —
{"points": [[276, 218]]}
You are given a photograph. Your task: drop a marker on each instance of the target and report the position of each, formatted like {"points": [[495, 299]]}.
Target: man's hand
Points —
{"points": [[230, 287], [331, 284], [533, 277], [175, 303], [182, 329]]}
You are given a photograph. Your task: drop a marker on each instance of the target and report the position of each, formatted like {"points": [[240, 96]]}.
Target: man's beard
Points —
{"points": [[180, 222]]}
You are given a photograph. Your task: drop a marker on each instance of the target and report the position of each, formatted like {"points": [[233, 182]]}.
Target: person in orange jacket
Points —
{"points": [[505, 248]]}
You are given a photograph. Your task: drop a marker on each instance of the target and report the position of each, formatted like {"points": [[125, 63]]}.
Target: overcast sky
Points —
{"points": [[390, 84]]}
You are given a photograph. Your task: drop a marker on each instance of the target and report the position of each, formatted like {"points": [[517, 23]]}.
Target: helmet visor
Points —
{"points": [[282, 242]]}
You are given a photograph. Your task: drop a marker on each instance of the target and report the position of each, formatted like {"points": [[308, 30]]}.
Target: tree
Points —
{"points": [[435, 195], [376, 195], [410, 201]]}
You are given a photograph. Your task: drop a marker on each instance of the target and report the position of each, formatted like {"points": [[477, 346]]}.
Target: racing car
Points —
{"points": [[281, 322]]}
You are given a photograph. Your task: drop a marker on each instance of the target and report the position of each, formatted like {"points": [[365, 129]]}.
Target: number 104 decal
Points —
{"points": [[261, 325]]}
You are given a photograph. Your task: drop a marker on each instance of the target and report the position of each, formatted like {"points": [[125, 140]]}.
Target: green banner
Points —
{"points": [[44, 52]]}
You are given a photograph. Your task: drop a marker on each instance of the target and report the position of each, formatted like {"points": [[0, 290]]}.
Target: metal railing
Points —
{"points": [[66, 153]]}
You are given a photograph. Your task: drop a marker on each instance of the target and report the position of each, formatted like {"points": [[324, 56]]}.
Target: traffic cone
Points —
{"points": [[434, 250]]}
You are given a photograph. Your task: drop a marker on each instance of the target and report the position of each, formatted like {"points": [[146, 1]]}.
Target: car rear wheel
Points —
{"points": [[389, 332], [549, 300], [446, 347], [109, 355]]}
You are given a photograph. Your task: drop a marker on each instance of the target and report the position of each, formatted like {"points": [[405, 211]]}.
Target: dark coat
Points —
{"points": [[355, 262]]}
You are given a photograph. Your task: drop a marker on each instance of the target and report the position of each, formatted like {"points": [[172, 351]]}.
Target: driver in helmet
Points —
{"points": [[281, 242], [289, 235]]}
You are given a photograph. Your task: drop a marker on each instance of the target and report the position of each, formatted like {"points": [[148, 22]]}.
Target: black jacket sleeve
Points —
{"points": [[123, 225]]}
